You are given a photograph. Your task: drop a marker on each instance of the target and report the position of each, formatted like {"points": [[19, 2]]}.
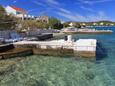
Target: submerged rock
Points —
{"points": [[89, 76], [7, 66], [34, 82]]}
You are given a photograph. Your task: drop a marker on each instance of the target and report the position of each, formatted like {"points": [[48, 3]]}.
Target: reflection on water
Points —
{"points": [[101, 51], [57, 71]]}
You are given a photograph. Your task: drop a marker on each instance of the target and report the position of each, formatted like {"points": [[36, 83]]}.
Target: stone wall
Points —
{"points": [[54, 52], [37, 50], [86, 54], [9, 51], [16, 53]]}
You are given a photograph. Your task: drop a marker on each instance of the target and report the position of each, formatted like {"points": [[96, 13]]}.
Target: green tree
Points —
{"points": [[55, 23], [66, 24], [27, 24], [6, 21], [77, 25], [42, 25], [2, 11], [58, 26], [32, 25]]}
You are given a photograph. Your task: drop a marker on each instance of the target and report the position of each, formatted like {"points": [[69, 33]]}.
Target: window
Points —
{"points": [[18, 12]]}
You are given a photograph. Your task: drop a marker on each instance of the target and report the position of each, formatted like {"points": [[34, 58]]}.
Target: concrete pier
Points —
{"points": [[9, 51], [85, 47], [82, 47]]}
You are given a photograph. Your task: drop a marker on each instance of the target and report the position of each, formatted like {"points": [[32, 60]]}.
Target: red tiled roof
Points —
{"points": [[18, 9]]}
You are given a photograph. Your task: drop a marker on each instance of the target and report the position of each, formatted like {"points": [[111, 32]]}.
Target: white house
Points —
{"points": [[18, 12], [71, 24], [102, 23], [112, 24], [95, 24]]}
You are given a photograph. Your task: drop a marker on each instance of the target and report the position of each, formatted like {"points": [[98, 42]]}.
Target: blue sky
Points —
{"points": [[68, 10]]}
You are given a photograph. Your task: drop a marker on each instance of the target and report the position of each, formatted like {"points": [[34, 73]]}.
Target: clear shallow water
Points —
{"points": [[58, 71]]}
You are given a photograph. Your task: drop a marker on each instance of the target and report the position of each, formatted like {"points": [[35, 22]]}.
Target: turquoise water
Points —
{"points": [[61, 71]]}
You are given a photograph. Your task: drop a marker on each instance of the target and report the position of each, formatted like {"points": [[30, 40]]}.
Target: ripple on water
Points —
{"points": [[55, 71]]}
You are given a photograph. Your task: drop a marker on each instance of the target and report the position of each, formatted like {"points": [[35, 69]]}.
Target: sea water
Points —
{"points": [[39, 70]]}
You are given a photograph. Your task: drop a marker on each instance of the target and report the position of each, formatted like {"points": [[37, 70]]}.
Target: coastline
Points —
{"points": [[38, 69]]}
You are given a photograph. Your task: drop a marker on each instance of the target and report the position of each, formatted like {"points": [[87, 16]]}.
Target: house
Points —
{"points": [[72, 24], [111, 24], [43, 19], [83, 24], [18, 12], [95, 24], [101, 23]]}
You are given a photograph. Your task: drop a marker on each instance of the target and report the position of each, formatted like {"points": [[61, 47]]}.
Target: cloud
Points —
{"points": [[91, 2], [45, 12], [32, 10], [57, 8], [73, 16], [49, 5], [14, 1], [52, 2], [69, 15], [38, 3], [99, 16], [64, 10], [87, 9]]}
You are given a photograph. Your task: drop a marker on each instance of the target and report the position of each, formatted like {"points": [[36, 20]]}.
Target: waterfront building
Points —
{"points": [[83, 24], [95, 24], [72, 24], [18, 12], [111, 24], [101, 23]]}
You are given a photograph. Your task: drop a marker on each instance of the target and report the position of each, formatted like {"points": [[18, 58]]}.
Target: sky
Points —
{"points": [[68, 10]]}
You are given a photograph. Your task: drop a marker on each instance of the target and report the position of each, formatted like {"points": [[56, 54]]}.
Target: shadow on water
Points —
{"points": [[101, 52]]}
